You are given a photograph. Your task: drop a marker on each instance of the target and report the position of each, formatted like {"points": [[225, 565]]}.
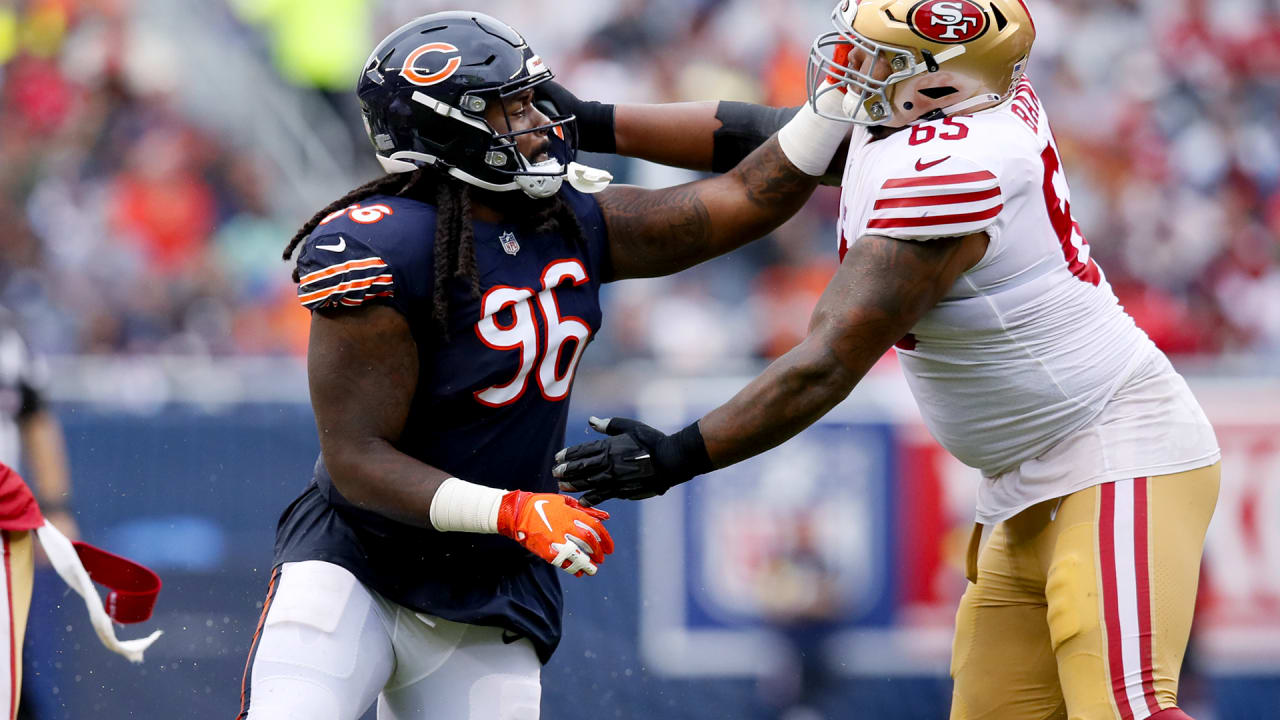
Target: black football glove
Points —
{"points": [[594, 119], [635, 462]]}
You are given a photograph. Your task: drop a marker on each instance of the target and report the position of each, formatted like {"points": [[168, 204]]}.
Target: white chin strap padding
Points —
{"points": [[581, 178], [588, 180], [394, 165]]}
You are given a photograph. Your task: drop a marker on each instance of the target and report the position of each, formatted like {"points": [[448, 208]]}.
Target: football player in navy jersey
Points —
{"points": [[451, 301]]}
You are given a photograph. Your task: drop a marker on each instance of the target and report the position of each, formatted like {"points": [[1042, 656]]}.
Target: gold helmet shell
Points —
{"points": [[921, 58]]}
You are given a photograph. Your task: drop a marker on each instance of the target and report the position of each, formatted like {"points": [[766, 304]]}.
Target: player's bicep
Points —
{"points": [[885, 285], [362, 368]]}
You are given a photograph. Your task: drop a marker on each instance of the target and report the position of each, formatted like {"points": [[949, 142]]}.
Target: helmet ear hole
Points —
{"points": [[1001, 20], [938, 92]]}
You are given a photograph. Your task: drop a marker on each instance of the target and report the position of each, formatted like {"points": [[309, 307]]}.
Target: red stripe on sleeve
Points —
{"points": [[935, 220], [938, 180], [937, 199]]}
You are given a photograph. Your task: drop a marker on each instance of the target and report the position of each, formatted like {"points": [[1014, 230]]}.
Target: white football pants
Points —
{"points": [[327, 646]]}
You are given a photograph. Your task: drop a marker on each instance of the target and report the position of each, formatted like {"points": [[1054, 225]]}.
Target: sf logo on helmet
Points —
{"points": [[948, 21], [419, 76]]}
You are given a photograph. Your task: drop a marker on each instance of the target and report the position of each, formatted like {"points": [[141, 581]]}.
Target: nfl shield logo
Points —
{"points": [[509, 243]]}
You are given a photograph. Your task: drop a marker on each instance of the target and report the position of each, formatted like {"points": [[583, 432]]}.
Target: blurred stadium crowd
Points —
{"points": [[145, 193]]}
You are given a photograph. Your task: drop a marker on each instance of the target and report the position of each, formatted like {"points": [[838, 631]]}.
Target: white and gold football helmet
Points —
{"points": [[898, 61]]}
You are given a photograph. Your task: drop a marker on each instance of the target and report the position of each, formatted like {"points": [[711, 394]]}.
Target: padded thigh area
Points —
{"points": [[453, 670], [325, 652]]}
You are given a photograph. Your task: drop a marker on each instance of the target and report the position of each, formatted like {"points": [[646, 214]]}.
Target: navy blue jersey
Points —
{"points": [[490, 406]]}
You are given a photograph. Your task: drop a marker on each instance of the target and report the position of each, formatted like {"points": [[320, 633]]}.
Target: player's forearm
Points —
{"points": [[47, 456], [705, 136], [880, 292], [790, 395], [676, 134], [375, 476], [659, 232], [774, 181], [751, 201]]}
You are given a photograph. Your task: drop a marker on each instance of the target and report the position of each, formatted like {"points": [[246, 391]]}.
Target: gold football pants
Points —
{"points": [[1082, 605]]}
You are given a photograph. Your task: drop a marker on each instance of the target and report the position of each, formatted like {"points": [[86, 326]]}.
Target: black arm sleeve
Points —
{"points": [[745, 127], [32, 402]]}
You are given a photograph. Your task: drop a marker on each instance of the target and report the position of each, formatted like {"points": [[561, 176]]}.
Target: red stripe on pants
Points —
{"points": [[1141, 564], [14, 656], [1110, 604]]}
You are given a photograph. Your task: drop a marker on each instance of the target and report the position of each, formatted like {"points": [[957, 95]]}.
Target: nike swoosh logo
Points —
{"points": [[921, 165], [537, 507], [336, 247]]}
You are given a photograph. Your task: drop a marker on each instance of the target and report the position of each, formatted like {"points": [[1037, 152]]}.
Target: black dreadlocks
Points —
{"points": [[455, 252]]}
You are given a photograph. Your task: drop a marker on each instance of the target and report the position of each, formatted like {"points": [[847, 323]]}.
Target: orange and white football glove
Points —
{"points": [[557, 529], [552, 526]]}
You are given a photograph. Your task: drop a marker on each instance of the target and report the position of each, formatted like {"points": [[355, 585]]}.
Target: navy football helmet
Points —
{"points": [[424, 91]]}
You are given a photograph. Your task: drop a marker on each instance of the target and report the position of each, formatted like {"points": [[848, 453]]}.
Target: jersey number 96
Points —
{"points": [[522, 334]]}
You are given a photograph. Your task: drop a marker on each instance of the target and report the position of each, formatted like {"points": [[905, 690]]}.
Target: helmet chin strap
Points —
{"points": [[550, 174], [582, 178], [963, 105], [975, 101]]}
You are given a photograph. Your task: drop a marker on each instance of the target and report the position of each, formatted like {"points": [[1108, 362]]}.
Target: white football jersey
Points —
{"points": [[1030, 345]]}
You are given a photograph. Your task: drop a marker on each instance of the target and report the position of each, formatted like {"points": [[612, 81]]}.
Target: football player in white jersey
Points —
{"points": [[957, 245]]}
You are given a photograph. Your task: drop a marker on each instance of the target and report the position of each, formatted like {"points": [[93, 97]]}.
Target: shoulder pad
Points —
{"points": [[338, 270]]}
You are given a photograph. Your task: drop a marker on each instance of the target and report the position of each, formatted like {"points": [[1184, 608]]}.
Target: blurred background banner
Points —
{"points": [[157, 155], [793, 543]]}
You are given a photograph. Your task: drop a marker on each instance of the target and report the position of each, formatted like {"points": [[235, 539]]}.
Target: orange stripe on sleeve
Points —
{"points": [[362, 284], [341, 268]]}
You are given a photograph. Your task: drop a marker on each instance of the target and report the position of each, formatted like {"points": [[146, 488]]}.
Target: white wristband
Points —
{"points": [[460, 506], [809, 140]]}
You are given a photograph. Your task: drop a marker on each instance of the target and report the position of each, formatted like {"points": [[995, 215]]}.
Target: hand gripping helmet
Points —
{"points": [[928, 58], [425, 89]]}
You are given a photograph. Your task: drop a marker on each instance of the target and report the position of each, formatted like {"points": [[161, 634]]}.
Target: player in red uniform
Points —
{"points": [[133, 594]]}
